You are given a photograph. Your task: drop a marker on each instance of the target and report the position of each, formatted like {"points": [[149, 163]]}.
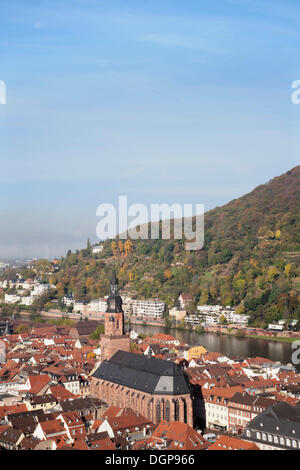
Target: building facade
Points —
{"points": [[148, 308], [155, 388], [276, 428]]}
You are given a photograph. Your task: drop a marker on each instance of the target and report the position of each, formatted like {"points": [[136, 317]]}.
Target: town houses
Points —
{"points": [[62, 388]]}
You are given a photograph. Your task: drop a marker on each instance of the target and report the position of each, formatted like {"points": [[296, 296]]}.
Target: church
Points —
{"points": [[157, 389]]}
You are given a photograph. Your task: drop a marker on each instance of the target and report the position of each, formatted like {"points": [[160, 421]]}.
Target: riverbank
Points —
{"points": [[232, 332], [228, 344], [279, 339], [236, 334], [228, 331]]}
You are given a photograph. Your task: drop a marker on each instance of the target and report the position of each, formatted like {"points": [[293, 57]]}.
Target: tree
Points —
{"points": [[114, 248], [22, 329], [128, 247], [272, 273], [240, 333], [278, 234], [204, 298], [289, 270], [43, 267], [240, 310], [168, 274], [98, 332]]}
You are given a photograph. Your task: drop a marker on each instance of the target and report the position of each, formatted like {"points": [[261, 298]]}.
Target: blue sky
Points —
{"points": [[163, 101]]}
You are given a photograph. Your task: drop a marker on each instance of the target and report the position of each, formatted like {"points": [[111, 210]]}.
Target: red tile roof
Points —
{"points": [[232, 443], [181, 436]]}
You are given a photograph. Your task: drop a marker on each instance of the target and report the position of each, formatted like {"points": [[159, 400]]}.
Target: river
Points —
{"points": [[228, 345]]}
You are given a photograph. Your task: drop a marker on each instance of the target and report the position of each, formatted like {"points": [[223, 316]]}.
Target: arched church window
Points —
{"points": [[176, 410], [158, 411], [167, 411]]}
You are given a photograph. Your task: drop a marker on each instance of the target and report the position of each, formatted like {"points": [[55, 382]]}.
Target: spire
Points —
{"points": [[114, 279], [114, 284], [114, 301]]}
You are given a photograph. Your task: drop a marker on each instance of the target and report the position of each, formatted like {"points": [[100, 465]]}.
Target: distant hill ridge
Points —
{"points": [[250, 259]]}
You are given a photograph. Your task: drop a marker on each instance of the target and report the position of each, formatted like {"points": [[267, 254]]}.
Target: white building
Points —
{"points": [[79, 307], [97, 249], [216, 411], [41, 289], [148, 308], [212, 319], [102, 305], [3, 265], [194, 319], [184, 300], [207, 309], [28, 300], [127, 305], [275, 326], [97, 305], [11, 299], [68, 300], [133, 335], [237, 319], [94, 305], [211, 315]]}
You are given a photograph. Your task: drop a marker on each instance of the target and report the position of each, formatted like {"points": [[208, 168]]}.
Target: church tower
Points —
{"points": [[114, 338]]}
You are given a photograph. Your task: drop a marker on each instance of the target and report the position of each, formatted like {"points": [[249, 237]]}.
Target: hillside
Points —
{"points": [[250, 259], [255, 218]]}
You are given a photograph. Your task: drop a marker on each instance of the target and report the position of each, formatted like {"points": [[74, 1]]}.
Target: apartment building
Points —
{"points": [[12, 299], [242, 408], [148, 308], [216, 407], [276, 428]]}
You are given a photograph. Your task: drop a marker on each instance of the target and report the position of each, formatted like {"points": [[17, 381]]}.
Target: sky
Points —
{"points": [[164, 101]]}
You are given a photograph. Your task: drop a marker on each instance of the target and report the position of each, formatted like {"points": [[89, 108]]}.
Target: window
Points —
{"points": [[167, 411], [176, 410], [258, 435], [248, 433], [158, 411]]}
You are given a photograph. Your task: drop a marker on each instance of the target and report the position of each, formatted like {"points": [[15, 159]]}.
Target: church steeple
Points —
{"points": [[114, 284], [114, 337], [114, 301]]}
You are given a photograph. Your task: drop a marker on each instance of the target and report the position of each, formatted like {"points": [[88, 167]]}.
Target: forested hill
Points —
{"points": [[250, 259], [271, 211]]}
